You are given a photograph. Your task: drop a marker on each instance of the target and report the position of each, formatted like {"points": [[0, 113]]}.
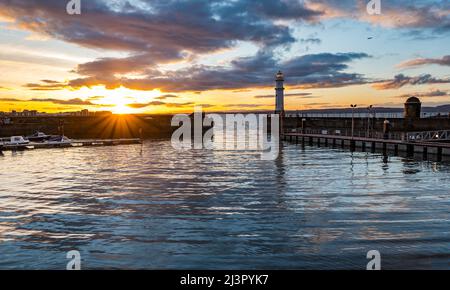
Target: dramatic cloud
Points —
{"points": [[167, 30], [430, 94], [150, 34], [314, 70], [444, 61], [163, 29], [432, 15], [402, 80]]}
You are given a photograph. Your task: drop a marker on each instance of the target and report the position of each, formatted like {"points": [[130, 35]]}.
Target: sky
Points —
{"points": [[167, 56]]}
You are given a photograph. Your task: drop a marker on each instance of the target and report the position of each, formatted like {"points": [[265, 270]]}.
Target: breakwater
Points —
{"points": [[365, 127], [159, 126], [99, 127]]}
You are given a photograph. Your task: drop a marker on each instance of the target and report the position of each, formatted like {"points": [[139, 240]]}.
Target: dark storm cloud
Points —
{"points": [[402, 80]]}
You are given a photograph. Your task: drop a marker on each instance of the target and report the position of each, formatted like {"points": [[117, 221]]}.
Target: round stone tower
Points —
{"points": [[413, 108]]}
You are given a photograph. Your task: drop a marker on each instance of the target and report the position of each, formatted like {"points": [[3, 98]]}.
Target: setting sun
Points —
{"points": [[117, 100]]}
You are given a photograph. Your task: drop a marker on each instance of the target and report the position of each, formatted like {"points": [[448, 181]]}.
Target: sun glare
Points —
{"points": [[118, 100]]}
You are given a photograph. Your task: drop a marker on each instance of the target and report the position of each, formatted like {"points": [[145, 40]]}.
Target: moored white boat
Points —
{"points": [[59, 140], [14, 141]]}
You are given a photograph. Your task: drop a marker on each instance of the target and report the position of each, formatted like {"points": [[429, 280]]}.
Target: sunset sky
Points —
{"points": [[158, 56]]}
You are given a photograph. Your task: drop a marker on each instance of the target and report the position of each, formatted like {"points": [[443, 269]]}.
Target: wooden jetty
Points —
{"points": [[372, 145], [71, 143]]}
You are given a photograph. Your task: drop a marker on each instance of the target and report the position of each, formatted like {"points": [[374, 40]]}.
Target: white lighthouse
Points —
{"points": [[279, 96]]}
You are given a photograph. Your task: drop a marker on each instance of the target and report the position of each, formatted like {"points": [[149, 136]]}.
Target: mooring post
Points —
{"points": [[439, 154], [425, 153], [410, 150]]}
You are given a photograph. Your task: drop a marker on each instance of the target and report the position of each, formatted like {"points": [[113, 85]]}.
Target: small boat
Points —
{"points": [[38, 137], [59, 141], [14, 141]]}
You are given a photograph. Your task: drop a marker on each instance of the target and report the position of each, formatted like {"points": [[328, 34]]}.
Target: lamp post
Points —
{"points": [[353, 119], [369, 109]]}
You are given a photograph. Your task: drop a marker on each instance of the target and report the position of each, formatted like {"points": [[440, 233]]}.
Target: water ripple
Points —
{"points": [[156, 208]]}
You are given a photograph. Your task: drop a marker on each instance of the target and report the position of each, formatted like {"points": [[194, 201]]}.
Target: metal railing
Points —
{"points": [[359, 115], [347, 133], [443, 135]]}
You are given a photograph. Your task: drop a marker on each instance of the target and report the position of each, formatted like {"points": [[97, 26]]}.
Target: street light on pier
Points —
{"points": [[353, 118], [303, 125]]}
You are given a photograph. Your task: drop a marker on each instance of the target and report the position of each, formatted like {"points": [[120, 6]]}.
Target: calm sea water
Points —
{"points": [[150, 207]]}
